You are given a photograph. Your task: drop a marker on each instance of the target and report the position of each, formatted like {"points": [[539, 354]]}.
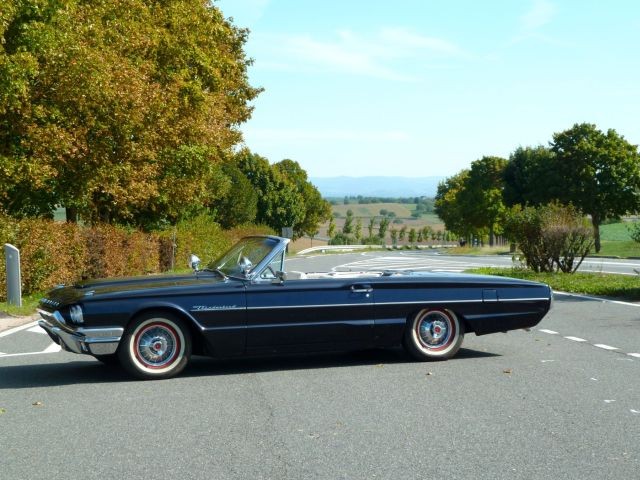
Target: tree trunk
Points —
{"points": [[71, 214], [491, 240], [596, 232]]}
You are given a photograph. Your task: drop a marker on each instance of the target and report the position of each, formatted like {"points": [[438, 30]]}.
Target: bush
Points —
{"points": [[54, 252], [551, 237], [342, 239]]}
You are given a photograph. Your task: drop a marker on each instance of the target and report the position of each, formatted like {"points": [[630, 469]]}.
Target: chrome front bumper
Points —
{"points": [[92, 341]]}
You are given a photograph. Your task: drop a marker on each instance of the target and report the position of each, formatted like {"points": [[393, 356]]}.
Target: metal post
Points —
{"points": [[14, 281]]}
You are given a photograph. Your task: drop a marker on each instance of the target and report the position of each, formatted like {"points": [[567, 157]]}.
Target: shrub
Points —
{"points": [[551, 237], [53, 252]]}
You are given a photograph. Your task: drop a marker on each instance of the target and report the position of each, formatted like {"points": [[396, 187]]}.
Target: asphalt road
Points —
{"points": [[560, 402]]}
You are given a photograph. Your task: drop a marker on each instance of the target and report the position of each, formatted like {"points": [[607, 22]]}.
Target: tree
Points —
{"points": [[403, 233], [597, 172], [371, 226], [331, 229], [347, 228], [449, 207], [240, 204], [316, 209], [280, 204], [412, 236], [357, 232], [120, 111], [528, 179], [394, 236], [382, 229]]}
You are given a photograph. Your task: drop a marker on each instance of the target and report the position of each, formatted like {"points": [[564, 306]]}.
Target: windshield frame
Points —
{"points": [[256, 270]]}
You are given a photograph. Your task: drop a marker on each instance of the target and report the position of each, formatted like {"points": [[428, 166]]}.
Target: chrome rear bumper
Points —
{"points": [[91, 341]]}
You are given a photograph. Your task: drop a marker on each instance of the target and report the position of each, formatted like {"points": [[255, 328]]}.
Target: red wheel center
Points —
{"points": [[437, 329], [157, 346]]}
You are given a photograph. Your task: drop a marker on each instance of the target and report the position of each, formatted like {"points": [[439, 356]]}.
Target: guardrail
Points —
{"points": [[347, 248]]}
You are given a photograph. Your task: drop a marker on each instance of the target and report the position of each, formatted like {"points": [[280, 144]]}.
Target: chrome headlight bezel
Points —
{"points": [[76, 314]]}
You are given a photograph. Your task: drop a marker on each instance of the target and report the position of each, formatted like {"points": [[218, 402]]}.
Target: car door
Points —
{"points": [[309, 315]]}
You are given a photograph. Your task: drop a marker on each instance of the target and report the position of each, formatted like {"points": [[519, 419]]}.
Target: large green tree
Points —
{"points": [[448, 204], [316, 209], [280, 204], [597, 172], [121, 111], [528, 179]]}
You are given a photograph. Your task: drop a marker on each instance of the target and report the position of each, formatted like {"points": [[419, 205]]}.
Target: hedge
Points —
{"points": [[55, 252]]}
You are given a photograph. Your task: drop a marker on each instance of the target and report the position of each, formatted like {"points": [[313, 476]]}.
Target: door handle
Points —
{"points": [[361, 289]]}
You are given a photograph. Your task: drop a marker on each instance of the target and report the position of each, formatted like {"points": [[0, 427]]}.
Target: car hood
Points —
{"points": [[148, 284]]}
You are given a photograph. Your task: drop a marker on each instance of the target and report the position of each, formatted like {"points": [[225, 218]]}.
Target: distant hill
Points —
{"points": [[377, 186]]}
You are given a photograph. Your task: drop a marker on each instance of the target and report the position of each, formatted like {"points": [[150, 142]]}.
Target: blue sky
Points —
{"points": [[425, 87]]}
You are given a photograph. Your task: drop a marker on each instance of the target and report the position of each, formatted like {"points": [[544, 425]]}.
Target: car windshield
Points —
{"points": [[244, 256]]}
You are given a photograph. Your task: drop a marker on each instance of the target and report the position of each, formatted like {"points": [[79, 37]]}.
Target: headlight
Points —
{"points": [[75, 313]]}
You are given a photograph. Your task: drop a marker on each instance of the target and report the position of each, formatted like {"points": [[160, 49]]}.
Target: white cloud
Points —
{"points": [[383, 55], [301, 135], [539, 15]]}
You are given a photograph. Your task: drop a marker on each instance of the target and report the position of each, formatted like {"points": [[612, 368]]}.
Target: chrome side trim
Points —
{"points": [[414, 302]]}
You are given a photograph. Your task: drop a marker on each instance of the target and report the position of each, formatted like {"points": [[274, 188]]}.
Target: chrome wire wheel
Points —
{"points": [[156, 346], [435, 330], [434, 334]]}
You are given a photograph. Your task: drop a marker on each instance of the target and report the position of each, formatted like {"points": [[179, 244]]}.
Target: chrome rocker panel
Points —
{"points": [[91, 341]]}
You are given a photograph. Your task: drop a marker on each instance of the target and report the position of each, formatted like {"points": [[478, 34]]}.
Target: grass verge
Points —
{"points": [[622, 287], [29, 305]]}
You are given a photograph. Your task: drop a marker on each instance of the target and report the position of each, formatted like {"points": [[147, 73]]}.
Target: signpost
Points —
{"points": [[14, 281]]}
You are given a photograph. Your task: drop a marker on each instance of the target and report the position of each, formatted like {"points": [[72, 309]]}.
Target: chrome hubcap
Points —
{"points": [[434, 329], [156, 346]]}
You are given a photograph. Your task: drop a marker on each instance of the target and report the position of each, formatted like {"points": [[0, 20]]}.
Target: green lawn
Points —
{"points": [[615, 232], [402, 210], [623, 287], [29, 305]]}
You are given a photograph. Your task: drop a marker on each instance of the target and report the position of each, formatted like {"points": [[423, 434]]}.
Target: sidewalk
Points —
{"points": [[7, 321]]}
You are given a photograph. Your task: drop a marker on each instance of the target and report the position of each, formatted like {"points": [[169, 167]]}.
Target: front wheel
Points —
{"points": [[435, 334], [155, 346]]}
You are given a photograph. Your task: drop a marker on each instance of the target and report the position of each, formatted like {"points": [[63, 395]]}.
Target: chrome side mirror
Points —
{"points": [[281, 277], [194, 262]]}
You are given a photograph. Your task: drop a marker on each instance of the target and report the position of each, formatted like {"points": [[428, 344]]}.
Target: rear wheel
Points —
{"points": [[155, 346], [433, 334]]}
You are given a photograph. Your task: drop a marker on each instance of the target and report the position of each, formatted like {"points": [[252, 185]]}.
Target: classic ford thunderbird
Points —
{"points": [[245, 304]]}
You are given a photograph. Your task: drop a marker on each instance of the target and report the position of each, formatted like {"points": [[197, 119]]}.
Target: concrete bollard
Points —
{"points": [[14, 280]]}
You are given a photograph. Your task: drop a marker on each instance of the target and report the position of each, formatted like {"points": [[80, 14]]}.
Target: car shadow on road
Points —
{"points": [[90, 372]]}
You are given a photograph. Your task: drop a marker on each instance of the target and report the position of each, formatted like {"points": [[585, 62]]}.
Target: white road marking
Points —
{"points": [[576, 339], [634, 411], [546, 361], [594, 379], [550, 332], [53, 348], [606, 347], [597, 299], [609, 401], [17, 329], [37, 329], [637, 355]]}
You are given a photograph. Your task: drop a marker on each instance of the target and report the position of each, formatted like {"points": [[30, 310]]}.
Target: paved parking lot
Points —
{"points": [[550, 403]]}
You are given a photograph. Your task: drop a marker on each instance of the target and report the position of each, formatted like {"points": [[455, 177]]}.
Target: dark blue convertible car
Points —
{"points": [[245, 304]]}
